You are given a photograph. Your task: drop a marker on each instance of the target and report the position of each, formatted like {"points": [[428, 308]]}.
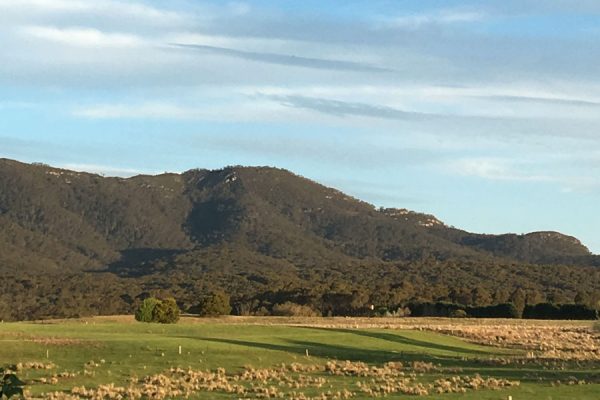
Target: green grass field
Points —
{"points": [[104, 350]]}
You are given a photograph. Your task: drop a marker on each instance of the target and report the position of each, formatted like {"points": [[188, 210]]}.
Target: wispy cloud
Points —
{"points": [[243, 110], [284, 59], [493, 168], [481, 103], [156, 110], [47, 5], [84, 37], [564, 177], [347, 109], [98, 8], [543, 100], [438, 17]]}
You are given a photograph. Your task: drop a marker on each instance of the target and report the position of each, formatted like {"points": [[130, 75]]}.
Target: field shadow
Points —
{"points": [[322, 350], [535, 374], [400, 339], [343, 353], [463, 366]]}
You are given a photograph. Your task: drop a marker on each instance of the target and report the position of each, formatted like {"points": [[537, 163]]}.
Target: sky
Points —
{"points": [[485, 114]]}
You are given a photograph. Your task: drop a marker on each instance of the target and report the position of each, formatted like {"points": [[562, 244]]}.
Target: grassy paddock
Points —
{"points": [[95, 351]]}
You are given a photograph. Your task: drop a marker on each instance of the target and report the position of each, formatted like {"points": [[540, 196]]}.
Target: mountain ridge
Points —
{"points": [[89, 219], [75, 243]]}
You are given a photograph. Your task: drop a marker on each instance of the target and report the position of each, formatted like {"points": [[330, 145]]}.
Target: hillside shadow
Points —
{"points": [[140, 261], [330, 351], [389, 337], [211, 221], [343, 353], [463, 366]]}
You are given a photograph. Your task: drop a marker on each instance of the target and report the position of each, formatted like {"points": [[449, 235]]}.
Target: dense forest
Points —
{"points": [[75, 244]]}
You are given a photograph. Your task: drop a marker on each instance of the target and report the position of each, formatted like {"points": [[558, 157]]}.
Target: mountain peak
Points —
{"points": [[556, 238]]}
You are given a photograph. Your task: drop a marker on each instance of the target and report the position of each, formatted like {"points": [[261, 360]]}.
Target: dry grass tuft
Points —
{"points": [[540, 342], [288, 381]]}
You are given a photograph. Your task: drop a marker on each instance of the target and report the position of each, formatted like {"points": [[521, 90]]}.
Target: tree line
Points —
{"points": [[328, 290]]}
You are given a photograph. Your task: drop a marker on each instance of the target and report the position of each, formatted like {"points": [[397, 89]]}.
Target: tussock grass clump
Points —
{"points": [[460, 384], [383, 387], [349, 368], [285, 381], [182, 383], [543, 342], [34, 365], [425, 367]]}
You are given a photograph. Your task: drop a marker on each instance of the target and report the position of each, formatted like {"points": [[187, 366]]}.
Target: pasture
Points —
{"points": [[306, 358]]}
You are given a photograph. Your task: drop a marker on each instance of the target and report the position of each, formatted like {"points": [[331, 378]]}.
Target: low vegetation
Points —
{"points": [[541, 342], [305, 358], [10, 385], [163, 311], [506, 310], [213, 304], [289, 309]]}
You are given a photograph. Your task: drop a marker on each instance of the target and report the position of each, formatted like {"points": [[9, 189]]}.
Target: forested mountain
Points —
{"points": [[252, 229]]}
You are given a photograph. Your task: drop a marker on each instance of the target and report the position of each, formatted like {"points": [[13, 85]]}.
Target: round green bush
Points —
{"points": [[166, 312], [163, 311], [458, 314], [216, 303], [145, 312]]}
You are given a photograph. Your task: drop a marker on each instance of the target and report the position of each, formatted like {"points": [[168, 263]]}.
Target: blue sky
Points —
{"points": [[486, 114]]}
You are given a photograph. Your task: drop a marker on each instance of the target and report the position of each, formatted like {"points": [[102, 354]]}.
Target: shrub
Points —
{"points": [[439, 309], [289, 309], [164, 311], [214, 304], [261, 312], [560, 311], [458, 314], [578, 311], [10, 385], [145, 313], [504, 310]]}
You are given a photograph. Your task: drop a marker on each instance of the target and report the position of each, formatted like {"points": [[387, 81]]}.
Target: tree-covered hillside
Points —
{"points": [[101, 244]]}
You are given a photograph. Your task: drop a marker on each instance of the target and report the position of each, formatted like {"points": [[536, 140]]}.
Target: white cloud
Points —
{"points": [[84, 37], [563, 176], [47, 5], [99, 8], [517, 100], [145, 110], [238, 111], [441, 17], [495, 169]]}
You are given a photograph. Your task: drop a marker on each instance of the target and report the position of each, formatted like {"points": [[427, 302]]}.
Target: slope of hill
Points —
{"points": [[55, 219]]}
